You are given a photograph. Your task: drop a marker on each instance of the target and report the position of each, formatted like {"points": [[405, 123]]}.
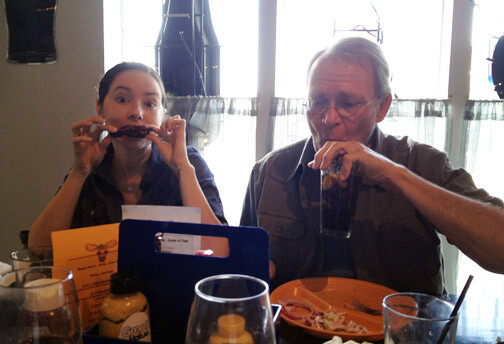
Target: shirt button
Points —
{"points": [[280, 229], [92, 212]]}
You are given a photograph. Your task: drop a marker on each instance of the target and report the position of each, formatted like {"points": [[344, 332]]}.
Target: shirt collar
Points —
{"points": [[378, 141], [307, 155]]}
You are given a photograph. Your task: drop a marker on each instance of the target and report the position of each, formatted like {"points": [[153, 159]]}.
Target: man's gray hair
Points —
{"points": [[363, 51]]}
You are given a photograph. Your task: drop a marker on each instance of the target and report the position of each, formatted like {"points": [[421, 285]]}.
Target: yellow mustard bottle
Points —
{"points": [[231, 329], [125, 312]]}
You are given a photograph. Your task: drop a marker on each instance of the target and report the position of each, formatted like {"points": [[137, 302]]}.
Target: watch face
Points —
{"points": [[132, 131]]}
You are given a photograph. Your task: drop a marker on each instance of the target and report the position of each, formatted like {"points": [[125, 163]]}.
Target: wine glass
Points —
{"points": [[231, 309], [39, 306]]}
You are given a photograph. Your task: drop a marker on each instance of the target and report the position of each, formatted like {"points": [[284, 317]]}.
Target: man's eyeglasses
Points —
{"points": [[344, 108]]}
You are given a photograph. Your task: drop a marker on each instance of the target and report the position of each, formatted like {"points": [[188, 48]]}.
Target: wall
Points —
{"points": [[37, 105]]}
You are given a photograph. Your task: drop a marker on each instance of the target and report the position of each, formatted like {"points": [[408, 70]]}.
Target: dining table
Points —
{"points": [[481, 321]]}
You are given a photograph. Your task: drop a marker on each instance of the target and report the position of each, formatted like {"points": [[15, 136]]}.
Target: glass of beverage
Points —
{"points": [[417, 318], [39, 306], [33, 256], [337, 200], [231, 309]]}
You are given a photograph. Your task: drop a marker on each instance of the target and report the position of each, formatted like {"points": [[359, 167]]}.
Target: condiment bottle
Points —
{"points": [[125, 312], [231, 329]]}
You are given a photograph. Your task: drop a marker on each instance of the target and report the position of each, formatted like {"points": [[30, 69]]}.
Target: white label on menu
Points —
{"points": [[179, 243], [161, 213], [136, 328]]}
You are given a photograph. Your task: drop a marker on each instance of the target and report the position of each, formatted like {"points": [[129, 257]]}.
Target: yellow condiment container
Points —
{"points": [[231, 329], [125, 312]]}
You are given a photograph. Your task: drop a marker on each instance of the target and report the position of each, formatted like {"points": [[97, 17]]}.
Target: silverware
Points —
{"points": [[356, 305]]}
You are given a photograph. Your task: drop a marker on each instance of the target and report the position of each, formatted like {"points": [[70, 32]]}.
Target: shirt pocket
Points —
{"points": [[410, 250], [281, 226], [294, 249]]}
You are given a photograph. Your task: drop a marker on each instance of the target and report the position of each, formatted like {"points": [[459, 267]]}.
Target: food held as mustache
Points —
{"points": [[132, 131]]}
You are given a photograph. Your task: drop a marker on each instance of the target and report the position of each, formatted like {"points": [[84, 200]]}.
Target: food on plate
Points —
{"points": [[132, 131], [330, 321], [338, 340]]}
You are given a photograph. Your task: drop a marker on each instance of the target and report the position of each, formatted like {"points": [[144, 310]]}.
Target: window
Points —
{"points": [[484, 133], [414, 50], [130, 31], [487, 28]]}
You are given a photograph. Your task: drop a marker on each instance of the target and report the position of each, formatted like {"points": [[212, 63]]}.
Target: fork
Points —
{"points": [[356, 305]]}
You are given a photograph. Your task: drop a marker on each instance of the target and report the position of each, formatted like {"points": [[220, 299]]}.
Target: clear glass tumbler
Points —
{"points": [[417, 318], [33, 256], [39, 306], [337, 200]]}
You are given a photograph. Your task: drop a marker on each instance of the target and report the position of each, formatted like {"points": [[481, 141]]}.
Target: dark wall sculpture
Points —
{"points": [[188, 48]]}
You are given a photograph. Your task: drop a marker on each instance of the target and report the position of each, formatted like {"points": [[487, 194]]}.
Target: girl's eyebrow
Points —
{"points": [[156, 94], [122, 88], [128, 89]]}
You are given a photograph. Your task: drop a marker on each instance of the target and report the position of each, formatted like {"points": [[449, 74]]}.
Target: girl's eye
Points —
{"points": [[121, 99], [150, 104]]}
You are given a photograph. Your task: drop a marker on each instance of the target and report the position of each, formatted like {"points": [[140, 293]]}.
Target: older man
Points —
{"points": [[409, 190]]}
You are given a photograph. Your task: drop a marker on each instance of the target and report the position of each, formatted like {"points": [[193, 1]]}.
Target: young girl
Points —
{"points": [[140, 161]]}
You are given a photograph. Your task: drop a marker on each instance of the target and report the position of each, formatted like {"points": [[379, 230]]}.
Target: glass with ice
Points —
{"points": [[337, 200]]}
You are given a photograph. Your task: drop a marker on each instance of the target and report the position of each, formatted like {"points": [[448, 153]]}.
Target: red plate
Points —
{"points": [[330, 294]]}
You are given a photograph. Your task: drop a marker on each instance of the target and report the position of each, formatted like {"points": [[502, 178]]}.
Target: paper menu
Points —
{"points": [[91, 254]]}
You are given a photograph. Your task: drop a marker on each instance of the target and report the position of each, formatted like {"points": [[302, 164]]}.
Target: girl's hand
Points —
{"points": [[88, 150], [171, 143]]}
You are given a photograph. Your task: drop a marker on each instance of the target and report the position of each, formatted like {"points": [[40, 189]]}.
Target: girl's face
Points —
{"points": [[134, 98]]}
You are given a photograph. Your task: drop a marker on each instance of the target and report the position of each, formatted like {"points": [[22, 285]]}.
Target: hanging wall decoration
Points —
{"points": [[31, 31]]}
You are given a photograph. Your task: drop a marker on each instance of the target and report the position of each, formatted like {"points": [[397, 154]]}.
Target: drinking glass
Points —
{"points": [[33, 256], [337, 200], [417, 318], [39, 306], [231, 309]]}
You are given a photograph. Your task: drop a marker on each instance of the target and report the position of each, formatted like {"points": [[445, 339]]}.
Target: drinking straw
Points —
{"points": [[455, 310]]}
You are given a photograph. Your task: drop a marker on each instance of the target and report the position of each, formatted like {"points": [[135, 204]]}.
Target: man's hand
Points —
{"points": [[375, 168]]}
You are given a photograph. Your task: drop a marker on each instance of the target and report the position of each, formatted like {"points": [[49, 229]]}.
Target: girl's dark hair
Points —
{"points": [[112, 73]]}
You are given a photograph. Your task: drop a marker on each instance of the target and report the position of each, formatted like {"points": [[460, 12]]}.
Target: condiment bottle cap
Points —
{"points": [[123, 283], [231, 325]]}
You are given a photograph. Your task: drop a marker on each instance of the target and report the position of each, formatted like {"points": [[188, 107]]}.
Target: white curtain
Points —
{"points": [[482, 147], [424, 120], [223, 130]]}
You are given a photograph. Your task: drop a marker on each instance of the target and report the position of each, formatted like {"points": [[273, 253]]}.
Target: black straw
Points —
{"points": [[455, 310]]}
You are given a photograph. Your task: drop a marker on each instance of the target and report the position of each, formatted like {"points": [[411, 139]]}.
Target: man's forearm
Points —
{"points": [[474, 227]]}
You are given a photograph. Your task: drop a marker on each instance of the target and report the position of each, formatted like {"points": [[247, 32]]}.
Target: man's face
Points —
{"points": [[338, 81]]}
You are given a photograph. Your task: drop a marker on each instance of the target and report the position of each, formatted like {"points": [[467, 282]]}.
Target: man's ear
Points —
{"points": [[98, 109], [384, 107]]}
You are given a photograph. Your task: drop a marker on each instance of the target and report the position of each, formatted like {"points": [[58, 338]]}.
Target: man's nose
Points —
{"points": [[135, 111], [331, 116]]}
